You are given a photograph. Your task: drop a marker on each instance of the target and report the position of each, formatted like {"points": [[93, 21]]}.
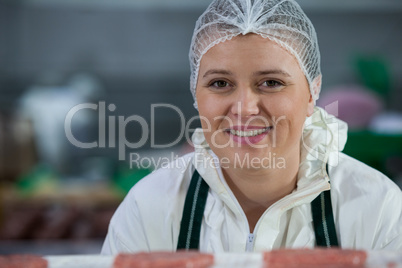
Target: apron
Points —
{"points": [[190, 228]]}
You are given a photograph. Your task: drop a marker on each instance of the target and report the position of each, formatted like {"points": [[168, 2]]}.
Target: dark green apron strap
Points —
{"points": [[323, 220], [194, 205]]}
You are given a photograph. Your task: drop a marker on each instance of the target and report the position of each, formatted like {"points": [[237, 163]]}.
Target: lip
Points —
{"points": [[246, 128], [251, 139]]}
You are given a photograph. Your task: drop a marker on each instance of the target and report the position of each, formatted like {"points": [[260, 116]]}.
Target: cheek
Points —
{"points": [[280, 107], [296, 123], [287, 114], [208, 109]]}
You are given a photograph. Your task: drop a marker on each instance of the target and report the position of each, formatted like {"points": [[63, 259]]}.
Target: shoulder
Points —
{"points": [[348, 172], [149, 216], [367, 205], [161, 194], [165, 182], [162, 190], [357, 186]]}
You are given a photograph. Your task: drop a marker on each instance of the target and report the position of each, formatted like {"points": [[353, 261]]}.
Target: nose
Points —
{"points": [[246, 103]]}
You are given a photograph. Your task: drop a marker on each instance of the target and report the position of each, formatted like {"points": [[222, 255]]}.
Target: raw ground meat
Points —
{"points": [[22, 261], [179, 259], [319, 257]]}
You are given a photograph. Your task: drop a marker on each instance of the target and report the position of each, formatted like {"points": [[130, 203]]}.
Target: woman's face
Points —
{"points": [[253, 99]]}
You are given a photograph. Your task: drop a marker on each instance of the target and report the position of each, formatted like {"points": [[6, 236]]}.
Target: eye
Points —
{"points": [[219, 84], [272, 84]]}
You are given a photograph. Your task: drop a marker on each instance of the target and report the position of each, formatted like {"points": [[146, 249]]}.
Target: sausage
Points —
{"points": [[319, 257], [22, 261], [161, 259]]}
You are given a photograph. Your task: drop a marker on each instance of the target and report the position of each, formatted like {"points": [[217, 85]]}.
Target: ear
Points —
{"points": [[314, 93], [310, 106]]}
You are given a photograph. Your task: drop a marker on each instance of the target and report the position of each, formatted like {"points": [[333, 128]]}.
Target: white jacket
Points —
{"points": [[367, 206]]}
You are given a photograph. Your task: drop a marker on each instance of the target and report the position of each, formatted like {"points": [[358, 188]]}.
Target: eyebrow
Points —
{"points": [[217, 71], [259, 73], [274, 71]]}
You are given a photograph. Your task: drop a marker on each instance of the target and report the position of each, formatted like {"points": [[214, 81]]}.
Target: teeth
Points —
{"points": [[250, 133]]}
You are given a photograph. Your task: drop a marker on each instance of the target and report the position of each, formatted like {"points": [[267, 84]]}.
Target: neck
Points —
{"points": [[257, 189]]}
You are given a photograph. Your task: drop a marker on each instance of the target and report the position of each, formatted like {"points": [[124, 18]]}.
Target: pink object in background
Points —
{"points": [[357, 105]]}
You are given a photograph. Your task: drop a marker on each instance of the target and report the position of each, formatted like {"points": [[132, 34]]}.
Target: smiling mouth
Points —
{"points": [[249, 133]]}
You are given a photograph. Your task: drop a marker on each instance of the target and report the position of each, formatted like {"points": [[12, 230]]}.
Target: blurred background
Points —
{"points": [[124, 55]]}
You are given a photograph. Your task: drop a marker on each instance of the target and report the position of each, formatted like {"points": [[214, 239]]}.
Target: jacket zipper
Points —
{"points": [[250, 243]]}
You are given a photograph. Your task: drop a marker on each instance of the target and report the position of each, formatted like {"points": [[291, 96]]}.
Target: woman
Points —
{"points": [[260, 175]]}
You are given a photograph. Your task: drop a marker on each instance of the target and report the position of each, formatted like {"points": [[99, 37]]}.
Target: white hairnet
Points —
{"points": [[282, 21]]}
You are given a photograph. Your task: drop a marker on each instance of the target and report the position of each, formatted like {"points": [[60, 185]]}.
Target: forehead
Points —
{"points": [[249, 51]]}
